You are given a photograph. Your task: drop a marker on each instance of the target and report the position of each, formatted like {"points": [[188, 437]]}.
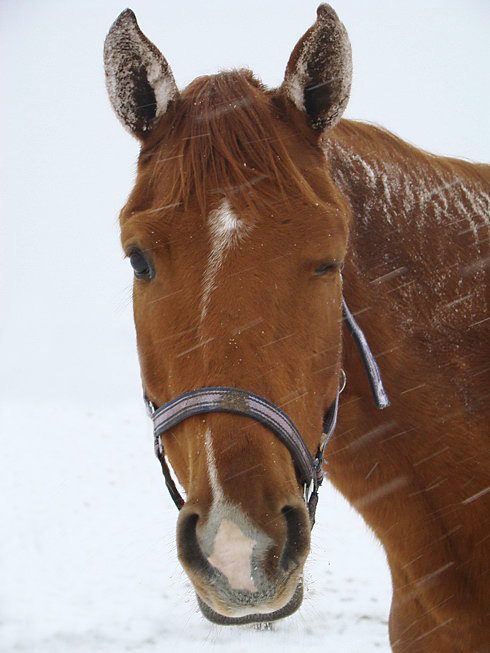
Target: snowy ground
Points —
{"points": [[88, 558]]}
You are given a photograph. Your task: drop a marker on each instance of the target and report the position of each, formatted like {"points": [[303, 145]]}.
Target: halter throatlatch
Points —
{"points": [[242, 402]]}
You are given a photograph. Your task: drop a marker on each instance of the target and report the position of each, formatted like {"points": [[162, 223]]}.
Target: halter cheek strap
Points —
{"points": [[242, 402], [374, 375]]}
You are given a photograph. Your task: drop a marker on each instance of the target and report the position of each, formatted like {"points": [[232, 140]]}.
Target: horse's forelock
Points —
{"points": [[224, 137]]}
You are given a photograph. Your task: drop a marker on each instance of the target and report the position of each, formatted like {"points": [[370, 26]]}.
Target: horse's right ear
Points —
{"points": [[319, 73], [139, 80]]}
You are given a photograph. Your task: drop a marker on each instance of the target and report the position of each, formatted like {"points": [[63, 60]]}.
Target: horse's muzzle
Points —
{"points": [[243, 575]]}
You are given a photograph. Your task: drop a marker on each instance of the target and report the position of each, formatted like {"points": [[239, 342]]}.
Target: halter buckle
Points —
{"points": [[150, 407], [308, 489]]}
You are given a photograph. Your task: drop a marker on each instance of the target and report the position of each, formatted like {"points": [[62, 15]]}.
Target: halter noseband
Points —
{"points": [[242, 402]]}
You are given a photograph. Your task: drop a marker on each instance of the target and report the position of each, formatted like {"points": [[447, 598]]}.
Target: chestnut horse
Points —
{"points": [[248, 203]]}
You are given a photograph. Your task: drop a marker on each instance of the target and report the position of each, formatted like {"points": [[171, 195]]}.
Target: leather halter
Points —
{"points": [[242, 402]]}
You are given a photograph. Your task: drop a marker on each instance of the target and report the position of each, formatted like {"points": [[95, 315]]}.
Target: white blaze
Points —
{"points": [[230, 548], [226, 230], [218, 496]]}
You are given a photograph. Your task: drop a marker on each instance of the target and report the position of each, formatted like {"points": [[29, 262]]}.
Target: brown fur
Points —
{"points": [[275, 329], [221, 137]]}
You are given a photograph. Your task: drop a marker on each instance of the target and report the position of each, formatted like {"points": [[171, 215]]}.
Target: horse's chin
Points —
{"points": [[261, 617]]}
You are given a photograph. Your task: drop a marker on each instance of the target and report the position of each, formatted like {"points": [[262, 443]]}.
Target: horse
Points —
{"points": [[259, 225]]}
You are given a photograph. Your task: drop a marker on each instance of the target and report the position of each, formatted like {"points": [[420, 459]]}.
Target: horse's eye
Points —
{"points": [[327, 267], [141, 266]]}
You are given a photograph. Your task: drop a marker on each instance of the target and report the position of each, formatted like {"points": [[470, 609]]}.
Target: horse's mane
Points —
{"points": [[223, 136]]}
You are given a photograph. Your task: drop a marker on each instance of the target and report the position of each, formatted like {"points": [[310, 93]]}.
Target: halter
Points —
{"points": [[242, 402]]}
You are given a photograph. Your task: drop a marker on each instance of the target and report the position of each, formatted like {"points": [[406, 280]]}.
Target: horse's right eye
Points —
{"points": [[141, 265], [328, 267]]}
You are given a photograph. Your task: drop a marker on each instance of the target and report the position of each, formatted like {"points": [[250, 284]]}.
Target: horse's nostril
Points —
{"points": [[189, 551], [297, 537]]}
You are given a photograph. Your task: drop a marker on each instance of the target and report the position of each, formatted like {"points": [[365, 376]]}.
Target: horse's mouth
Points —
{"points": [[291, 606]]}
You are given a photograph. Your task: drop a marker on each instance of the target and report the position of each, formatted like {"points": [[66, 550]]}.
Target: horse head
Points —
{"points": [[237, 236]]}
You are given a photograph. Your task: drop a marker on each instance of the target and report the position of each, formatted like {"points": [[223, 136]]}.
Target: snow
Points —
{"points": [[90, 564], [87, 554]]}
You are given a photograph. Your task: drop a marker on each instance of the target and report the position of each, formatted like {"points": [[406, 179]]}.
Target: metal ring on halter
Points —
{"points": [[343, 382]]}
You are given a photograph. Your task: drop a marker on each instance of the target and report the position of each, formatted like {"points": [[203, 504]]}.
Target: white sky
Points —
{"points": [[420, 69]]}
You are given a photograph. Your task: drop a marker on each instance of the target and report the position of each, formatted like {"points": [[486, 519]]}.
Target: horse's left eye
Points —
{"points": [[141, 266], [327, 267]]}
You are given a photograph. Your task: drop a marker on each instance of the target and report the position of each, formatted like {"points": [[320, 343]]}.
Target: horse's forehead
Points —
{"points": [[227, 224], [186, 190]]}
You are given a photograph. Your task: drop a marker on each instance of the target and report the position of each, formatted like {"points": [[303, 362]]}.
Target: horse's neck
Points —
{"points": [[416, 267], [414, 276], [419, 235]]}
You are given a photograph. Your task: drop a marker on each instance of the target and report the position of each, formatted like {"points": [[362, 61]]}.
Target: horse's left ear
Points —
{"points": [[139, 80], [319, 73]]}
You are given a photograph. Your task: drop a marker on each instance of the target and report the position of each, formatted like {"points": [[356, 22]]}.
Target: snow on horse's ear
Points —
{"points": [[319, 73], [139, 80]]}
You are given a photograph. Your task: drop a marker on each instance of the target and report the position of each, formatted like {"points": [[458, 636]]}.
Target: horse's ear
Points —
{"points": [[139, 80], [319, 72]]}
